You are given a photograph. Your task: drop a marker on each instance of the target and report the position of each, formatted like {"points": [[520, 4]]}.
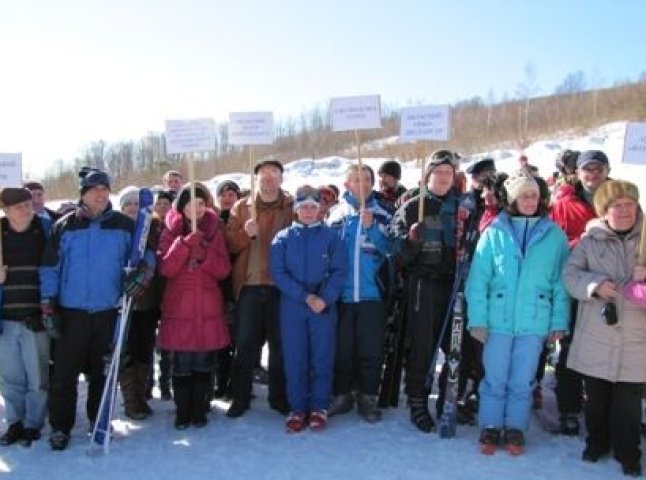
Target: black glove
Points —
{"points": [[35, 323], [137, 281], [50, 319]]}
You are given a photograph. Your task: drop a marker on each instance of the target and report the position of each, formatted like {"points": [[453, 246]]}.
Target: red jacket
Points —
{"points": [[571, 212], [193, 310]]}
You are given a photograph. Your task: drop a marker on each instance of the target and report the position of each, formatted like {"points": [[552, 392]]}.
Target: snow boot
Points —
{"points": [[143, 382], [514, 441], [367, 408], [13, 434], [569, 424], [318, 420], [200, 395], [341, 404], [182, 395], [419, 414], [489, 440], [295, 422], [129, 391], [29, 436], [59, 441]]}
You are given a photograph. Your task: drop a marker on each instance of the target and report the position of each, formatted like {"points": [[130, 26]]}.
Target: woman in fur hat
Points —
{"points": [[609, 346], [193, 324]]}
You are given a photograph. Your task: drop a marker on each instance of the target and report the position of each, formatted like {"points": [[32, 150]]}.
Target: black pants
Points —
{"points": [[85, 341], [141, 337], [257, 322], [612, 418], [569, 384], [359, 347], [427, 306]]}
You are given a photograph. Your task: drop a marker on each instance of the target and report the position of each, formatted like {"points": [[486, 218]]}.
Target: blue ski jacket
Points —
{"points": [[308, 259], [84, 260], [366, 248]]}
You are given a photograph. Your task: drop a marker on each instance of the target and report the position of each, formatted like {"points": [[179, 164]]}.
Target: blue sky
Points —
{"points": [[76, 71]]}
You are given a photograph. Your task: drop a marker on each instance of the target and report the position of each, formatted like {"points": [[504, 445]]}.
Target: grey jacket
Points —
{"points": [[615, 353]]}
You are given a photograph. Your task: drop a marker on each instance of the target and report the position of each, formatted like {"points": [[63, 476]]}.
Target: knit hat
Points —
{"points": [[591, 156], [519, 182], [306, 194], [392, 168], [92, 177], [129, 194], [33, 185], [184, 196], [227, 185], [611, 190], [11, 196], [268, 161]]}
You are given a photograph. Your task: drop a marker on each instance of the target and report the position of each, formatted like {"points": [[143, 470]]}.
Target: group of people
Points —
{"points": [[224, 274]]}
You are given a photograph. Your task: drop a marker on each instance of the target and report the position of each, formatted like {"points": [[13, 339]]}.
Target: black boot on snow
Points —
{"points": [[419, 414]]}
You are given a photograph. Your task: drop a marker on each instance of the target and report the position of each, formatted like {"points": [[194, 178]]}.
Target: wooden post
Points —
{"points": [[362, 200], [641, 259], [191, 179], [252, 182], [422, 191]]}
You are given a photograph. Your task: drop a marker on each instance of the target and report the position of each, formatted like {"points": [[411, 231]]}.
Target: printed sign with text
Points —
{"points": [[188, 136], [424, 123], [10, 170], [251, 128], [355, 113], [635, 143]]}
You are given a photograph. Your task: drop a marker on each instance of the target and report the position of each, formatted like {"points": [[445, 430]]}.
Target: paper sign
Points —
{"points": [[635, 144], [10, 170], [355, 113], [187, 136], [251, 128], [424, 123]]}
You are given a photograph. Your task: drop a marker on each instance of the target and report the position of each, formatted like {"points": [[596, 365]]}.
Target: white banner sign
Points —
{"points": [[251, 128], [635, 143], [355, 113], [188, 136], [424, 123], [10, 170]]}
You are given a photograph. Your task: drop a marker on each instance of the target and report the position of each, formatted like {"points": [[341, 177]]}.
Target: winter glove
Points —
{"points": [[50, 320], [193, 239], [480, 334], [137, 281], [416, 232], [35, 323]]}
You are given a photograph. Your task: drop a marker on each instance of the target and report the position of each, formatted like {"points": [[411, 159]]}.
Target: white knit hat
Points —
{"points": [[519, 182], [128, 195]]}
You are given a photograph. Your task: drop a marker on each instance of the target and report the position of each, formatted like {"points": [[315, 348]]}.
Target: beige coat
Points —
{"points": [[614, 353]]}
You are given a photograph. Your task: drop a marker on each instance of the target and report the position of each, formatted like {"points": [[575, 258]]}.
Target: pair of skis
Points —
{"points": [[466, 231], [101, 431]]}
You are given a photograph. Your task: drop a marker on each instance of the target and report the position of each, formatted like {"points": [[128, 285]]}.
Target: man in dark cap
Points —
{"points": [[390, 172], [38, 199], [24, 343], [253, 223], [86, 286], [573, 209]]}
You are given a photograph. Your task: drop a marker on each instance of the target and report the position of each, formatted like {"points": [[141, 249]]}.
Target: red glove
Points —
{"points": [[416, 232], [193, 239]]}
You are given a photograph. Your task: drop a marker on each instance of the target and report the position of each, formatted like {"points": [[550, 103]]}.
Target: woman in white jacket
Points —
{"points": [[609, 346]]}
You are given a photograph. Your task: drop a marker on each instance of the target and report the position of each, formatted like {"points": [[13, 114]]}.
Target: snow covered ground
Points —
{"points": [[256, 445]]}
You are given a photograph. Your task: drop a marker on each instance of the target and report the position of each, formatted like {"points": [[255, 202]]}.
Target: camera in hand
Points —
{"points": [[609, 313]]}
